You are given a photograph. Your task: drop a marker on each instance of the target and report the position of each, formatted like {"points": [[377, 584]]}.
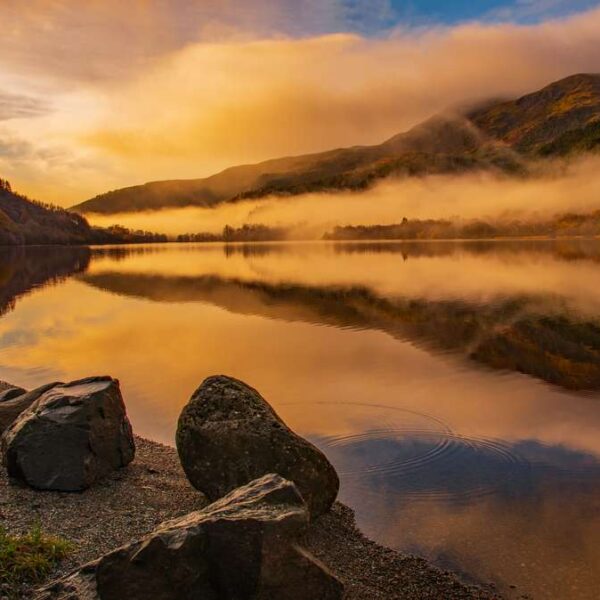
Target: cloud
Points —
{"points": [[159, 95], [15, 106], [527, 10], [15, 149], [215, 104], [101, 39], [46, 169]]}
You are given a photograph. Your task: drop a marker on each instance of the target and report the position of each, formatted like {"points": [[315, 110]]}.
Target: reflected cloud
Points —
{"points": [[544, 541]]}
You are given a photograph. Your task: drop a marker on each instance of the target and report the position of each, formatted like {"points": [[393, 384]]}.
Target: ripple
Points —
{"points": [[394, 450], [394, 436]]}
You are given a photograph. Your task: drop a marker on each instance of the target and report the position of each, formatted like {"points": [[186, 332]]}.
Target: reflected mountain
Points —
{"points": [[530, 335], [23, 269]]}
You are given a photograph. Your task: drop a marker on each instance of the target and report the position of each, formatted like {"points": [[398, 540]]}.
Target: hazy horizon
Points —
{"points": [[559, 188]]}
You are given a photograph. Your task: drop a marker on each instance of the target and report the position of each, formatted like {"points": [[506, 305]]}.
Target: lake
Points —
{"points": [[455, 386]]}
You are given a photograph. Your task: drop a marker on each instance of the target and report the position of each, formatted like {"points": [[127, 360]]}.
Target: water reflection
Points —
{"points": [[528, 333], [23, 269], [443, 380]]}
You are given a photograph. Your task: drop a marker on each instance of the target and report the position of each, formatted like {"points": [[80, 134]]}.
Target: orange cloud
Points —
{"points": [[190, 107], [243, 101]]}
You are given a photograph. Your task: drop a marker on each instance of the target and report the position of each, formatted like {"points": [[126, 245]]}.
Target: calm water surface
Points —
{"points": [[454, 386]]}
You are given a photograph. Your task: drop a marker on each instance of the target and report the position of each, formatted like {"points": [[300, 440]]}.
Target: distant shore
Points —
{"points": [[539, 238], [134, 500]]}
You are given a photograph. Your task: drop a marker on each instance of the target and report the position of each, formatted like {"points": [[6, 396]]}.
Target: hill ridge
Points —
{"points": [[560, 118]]}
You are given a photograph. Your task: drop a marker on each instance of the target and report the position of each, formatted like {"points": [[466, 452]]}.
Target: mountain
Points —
{"points": [[504, 136], [25, 222], [554, 120], [441, 145]]}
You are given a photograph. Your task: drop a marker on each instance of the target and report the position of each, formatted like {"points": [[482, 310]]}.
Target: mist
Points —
{"points": [[561, 187]]}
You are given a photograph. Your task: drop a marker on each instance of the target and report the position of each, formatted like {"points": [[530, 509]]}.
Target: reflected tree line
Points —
{"points": [[536, 336], [23, 269], [523, 334]]}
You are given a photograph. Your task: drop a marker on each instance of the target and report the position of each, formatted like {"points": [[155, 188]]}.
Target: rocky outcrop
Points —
{"points": [[228, 435], [240, 547], [68, 435]]}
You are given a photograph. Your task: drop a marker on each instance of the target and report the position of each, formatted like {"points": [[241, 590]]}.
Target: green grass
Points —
{"points": [[28, 558]]}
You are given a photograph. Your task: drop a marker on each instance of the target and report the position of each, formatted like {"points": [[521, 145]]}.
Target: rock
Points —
{"points": [[240, 547], [70, 436], [4, 385], [11, 393], [11, 408], [8, 391], [228, 435]]}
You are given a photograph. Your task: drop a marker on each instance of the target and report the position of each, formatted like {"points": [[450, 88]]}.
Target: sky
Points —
{"points": [[103, 94]]}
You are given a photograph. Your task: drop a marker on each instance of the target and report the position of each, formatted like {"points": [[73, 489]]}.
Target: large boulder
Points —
{"points": [[71, 435], [228, 435], [241, 547]]}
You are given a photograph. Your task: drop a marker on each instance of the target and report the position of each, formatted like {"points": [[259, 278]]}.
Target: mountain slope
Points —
{"points": [[444, 144], [25, 222], [535, 121], [559, 119]]}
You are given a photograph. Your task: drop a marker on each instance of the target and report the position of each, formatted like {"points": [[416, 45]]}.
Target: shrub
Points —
{"points": [[28, 558]]}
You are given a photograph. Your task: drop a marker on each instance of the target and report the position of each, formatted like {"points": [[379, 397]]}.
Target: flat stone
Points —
{"points": [[240, 547]]}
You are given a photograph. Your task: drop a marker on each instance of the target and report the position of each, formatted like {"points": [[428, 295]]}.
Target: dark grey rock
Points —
{"points": [[228, 435], [240, 547], [11, 408], [70, 436]]}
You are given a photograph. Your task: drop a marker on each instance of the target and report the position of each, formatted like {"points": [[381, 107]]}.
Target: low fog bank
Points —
{"points": [[560, 188]]}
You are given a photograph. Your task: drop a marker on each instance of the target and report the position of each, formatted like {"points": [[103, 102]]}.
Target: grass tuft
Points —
{"points": [[28, 558]]}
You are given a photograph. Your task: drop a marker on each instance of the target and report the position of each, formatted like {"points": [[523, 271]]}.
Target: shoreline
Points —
{"points": [[153, 488], [425, 240]]}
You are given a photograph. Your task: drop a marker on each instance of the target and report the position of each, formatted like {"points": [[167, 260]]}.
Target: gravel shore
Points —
{"points": [[153, 488]]}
